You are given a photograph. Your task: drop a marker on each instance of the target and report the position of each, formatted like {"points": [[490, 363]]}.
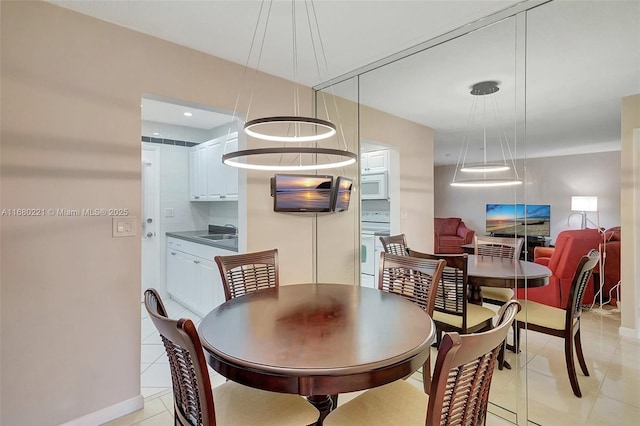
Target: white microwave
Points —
{"points": [[374, 187]]}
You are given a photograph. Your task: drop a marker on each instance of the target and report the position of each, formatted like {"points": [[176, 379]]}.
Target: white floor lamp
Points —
{"points": [[581, 205]]}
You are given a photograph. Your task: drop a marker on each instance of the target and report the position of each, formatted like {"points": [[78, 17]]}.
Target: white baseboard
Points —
{"points": [[629, 333], [109, 413]]}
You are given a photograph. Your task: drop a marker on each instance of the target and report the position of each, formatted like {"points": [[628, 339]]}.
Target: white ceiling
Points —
{"points": [[175, 112], [582, 57]]}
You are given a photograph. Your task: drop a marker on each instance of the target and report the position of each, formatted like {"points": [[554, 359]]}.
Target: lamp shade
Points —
{"points": [[584, 204]]}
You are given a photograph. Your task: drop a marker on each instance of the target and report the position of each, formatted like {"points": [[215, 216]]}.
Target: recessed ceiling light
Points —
{"points": [[156, 134], [187, 114]]}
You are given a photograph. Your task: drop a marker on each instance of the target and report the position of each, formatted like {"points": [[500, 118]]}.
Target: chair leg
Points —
{"points": [[579, 354], [501, 355], [571, 367], [426, 375]]}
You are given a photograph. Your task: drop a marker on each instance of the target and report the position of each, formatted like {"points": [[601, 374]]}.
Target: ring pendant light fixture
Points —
{"points": [[484, 90], [290, 129]]}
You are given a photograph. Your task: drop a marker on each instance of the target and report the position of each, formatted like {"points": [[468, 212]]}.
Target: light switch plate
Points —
{"points": [[123, 226], [168, 212]]}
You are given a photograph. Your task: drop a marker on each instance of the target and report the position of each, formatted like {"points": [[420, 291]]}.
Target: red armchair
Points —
{"points": [[563, 261], [451, 233]]}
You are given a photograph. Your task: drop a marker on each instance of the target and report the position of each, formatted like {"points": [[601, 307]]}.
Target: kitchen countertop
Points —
{"points": [[377, 233], [196, 237]]}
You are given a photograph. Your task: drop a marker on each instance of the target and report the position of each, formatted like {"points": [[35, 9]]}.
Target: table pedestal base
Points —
{"points": [[323, 403]]}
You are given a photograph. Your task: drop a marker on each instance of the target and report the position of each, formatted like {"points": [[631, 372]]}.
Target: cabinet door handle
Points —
{"points": [[223, 196], [173, 253], [196, 261], [196, 197]]}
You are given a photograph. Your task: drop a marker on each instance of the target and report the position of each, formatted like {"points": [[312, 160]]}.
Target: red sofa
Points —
{"points": [[563, 261], [451, 233]]}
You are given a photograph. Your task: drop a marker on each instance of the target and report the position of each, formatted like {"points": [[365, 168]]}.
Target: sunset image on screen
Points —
{"points": [[303, 193], [519, 219]]}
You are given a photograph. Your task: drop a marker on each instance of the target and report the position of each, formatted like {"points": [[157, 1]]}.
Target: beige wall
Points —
{"points": [[630, 215], [337, 235], [70, 293], [414, 143], [71, 88]]}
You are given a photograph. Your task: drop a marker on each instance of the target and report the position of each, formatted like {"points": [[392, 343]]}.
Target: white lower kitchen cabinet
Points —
{"points": [[368, 281], [193, 278], [181, 277]]}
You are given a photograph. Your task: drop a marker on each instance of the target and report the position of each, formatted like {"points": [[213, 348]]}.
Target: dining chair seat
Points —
{"points": [[409, 407], [459, 391], [236, 404], [496, 295], [544, 315], [476, 315], [563, 323]]}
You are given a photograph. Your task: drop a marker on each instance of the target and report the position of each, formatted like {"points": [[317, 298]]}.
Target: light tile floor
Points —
{"points": [[611, 394]]}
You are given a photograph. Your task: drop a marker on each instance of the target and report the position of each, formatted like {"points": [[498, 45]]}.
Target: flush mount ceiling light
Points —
{"points": [[485, 91], [290, 129]]}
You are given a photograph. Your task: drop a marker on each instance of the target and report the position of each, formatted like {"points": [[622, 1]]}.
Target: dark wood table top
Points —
{"points": [[495, 272], [317, 339]]}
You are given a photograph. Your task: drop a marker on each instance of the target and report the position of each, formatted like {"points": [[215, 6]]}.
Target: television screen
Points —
{"points": [[532, 220], [302, 193], [341, 194]]}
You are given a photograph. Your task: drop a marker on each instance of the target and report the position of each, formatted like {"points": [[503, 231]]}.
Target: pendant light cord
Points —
{"points": [[321, 129], [326, 68], [248, 61]]}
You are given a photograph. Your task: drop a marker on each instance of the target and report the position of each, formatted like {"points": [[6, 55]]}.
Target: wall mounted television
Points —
{"points": [[341, 194], [521, 220], [301, 193]]}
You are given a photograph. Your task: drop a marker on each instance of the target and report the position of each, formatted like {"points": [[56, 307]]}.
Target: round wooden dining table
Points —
{"points": [[497, 272], [317, 340]]}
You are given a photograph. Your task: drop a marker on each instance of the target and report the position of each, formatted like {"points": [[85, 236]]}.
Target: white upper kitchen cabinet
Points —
{"points": [[231, 173], [210, 179], [374, 161], [198, 173]]}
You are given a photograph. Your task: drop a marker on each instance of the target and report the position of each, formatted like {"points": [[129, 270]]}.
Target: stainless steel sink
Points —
{"points": [[219, 236]]}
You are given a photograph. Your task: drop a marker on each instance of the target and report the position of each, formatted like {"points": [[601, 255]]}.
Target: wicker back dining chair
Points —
{"points": [[452, 311], [248, 272], [502, 248], [193, 397], [414, 279], [564, 323], [395, 244], [459, 393]]}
